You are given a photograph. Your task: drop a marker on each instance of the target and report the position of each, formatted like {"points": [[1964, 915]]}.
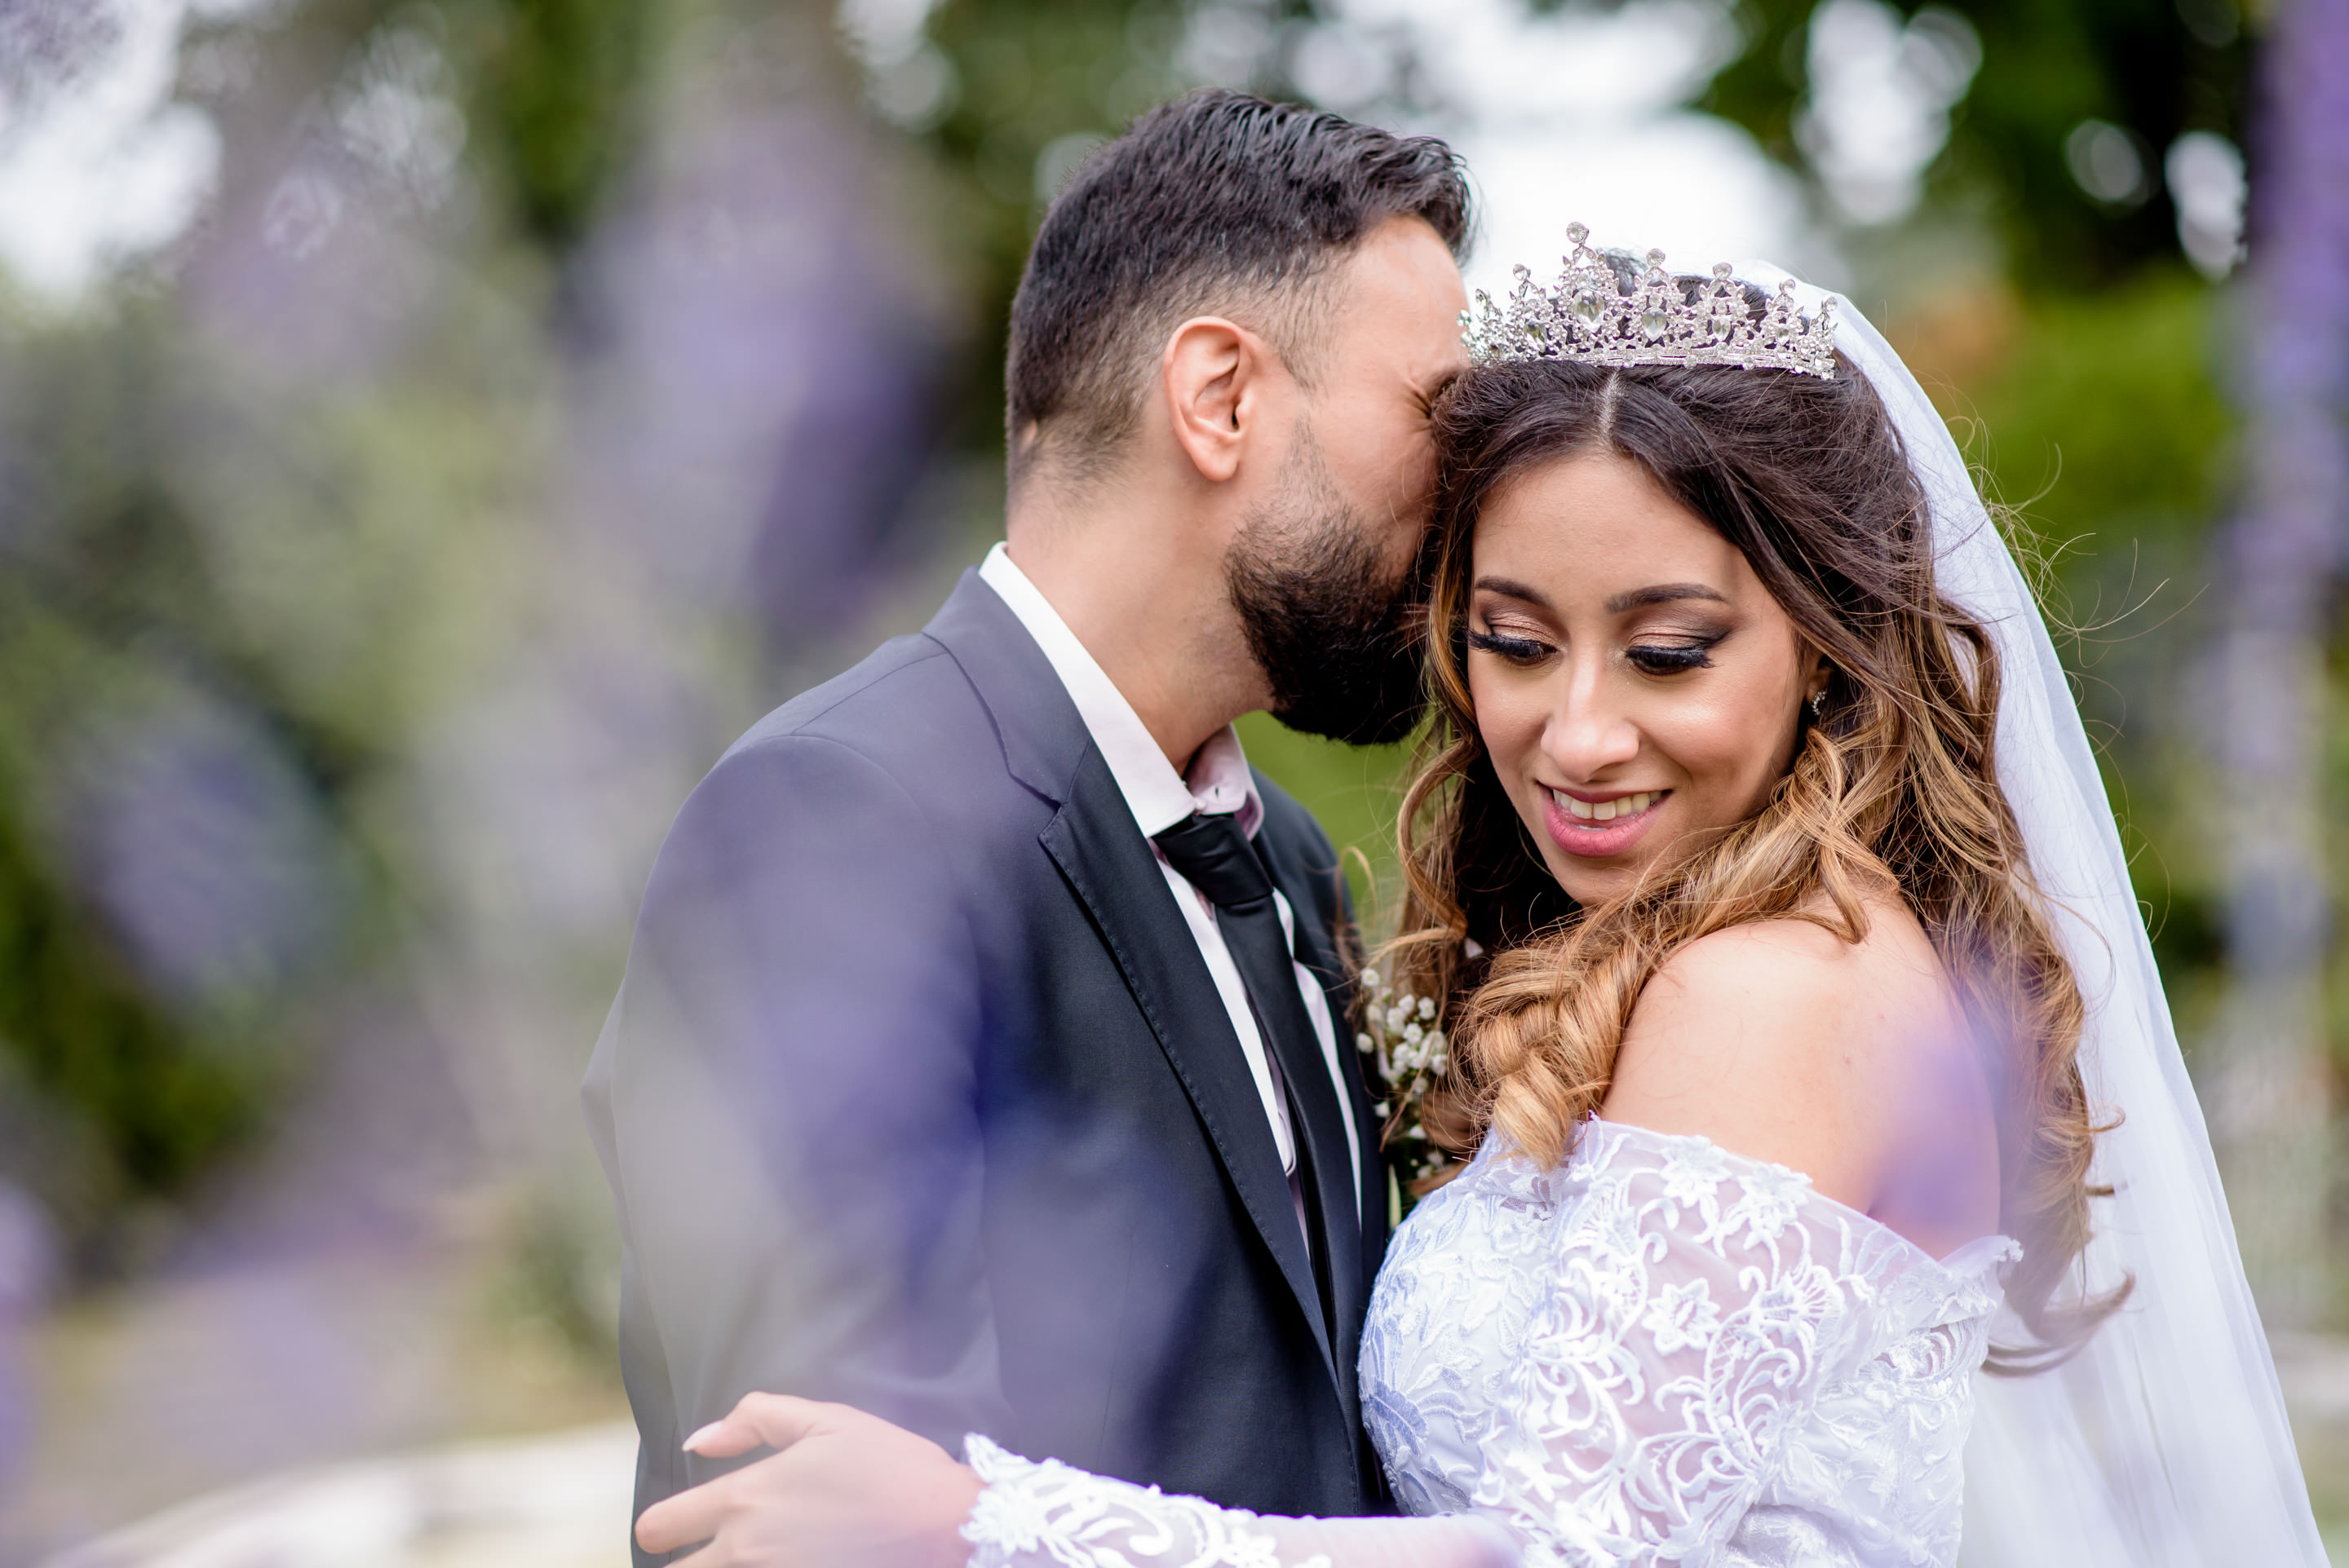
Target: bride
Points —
{"points": [[1837, 1192]]}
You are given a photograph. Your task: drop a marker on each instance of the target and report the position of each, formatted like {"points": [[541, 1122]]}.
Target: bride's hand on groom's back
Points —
{"points": [[842, 1489]]}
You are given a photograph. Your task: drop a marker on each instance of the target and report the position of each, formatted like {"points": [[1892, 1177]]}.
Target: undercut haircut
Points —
{"points": [[1215, 203]]}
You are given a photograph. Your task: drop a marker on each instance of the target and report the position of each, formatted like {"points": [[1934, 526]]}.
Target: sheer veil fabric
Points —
{"points": [[2164, 1442]]}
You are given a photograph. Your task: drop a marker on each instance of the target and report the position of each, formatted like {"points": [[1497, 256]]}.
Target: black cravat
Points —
{"points": [[1216, 857]]}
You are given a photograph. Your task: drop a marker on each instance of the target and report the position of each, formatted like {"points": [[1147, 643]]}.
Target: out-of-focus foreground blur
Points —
{"points": [[430, 429]]}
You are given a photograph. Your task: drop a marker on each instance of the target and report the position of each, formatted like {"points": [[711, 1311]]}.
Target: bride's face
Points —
{"points": [[1635, 684]]}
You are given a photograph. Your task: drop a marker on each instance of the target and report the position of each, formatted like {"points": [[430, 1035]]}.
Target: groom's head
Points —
{"points": [[1232, 323]]}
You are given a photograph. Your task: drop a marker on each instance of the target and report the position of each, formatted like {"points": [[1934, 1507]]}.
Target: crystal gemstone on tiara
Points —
{"points": [[1594, 316]]}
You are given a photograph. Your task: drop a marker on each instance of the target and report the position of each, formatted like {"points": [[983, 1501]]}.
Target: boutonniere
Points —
{"points": [[1408, 1056]]}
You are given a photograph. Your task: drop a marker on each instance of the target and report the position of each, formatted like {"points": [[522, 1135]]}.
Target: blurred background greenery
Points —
{"points": [[518, 397]]}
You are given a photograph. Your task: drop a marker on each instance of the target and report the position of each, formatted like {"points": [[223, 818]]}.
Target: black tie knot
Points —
{"points": [[1215, 857]]}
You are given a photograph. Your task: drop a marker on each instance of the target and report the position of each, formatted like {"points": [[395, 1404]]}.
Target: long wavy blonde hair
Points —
{"points": [[1892, 791]]}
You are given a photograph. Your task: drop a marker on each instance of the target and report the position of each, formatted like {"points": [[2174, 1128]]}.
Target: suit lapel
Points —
{"points": [[1093, 840], [1109, 865], [1038, 724]]}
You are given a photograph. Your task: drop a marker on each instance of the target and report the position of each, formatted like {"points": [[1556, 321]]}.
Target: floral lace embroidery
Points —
{"points": [[1031, 1512], [1666, 1353]]}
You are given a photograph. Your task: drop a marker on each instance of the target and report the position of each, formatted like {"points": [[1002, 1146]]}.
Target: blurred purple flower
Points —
{"points": [[2281, 564], [763, 409], [205, 848]]}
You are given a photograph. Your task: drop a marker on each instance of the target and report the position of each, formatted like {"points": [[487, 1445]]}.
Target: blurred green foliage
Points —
{"points": [[2121, 386], [86, 1032], [134, 1095], [557, 97], [2155, 67], [2101, 423], [182, 526], [1354, 790]]}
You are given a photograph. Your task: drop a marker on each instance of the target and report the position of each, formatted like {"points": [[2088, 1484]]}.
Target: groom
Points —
{"points": [[982, 1059]]}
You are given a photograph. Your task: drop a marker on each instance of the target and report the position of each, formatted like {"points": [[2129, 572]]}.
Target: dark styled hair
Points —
{"points": [[1214, 201], [1892, 791]]}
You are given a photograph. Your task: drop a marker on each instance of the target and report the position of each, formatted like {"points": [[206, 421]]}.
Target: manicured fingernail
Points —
{"points": [[693, 1443]]}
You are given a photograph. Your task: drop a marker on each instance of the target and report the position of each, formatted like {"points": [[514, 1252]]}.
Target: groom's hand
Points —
{"points": [[844, 1490]]}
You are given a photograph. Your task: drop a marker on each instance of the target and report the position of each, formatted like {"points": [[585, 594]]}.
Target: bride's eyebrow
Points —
{"points": [[1662, 594], [1510, 589]]}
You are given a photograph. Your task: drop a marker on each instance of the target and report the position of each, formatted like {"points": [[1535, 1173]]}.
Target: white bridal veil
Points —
{"points": [[2164, 1442]]}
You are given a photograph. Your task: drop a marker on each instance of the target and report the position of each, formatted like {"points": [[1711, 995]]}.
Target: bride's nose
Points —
{"points": [[1590, 731]]}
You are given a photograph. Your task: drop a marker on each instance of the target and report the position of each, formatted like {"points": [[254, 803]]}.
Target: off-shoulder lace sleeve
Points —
{"points": [[1046, 1514], [1698, 1302]]}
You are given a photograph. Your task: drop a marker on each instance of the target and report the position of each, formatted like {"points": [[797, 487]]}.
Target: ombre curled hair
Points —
{"points": [[1892, 790]]}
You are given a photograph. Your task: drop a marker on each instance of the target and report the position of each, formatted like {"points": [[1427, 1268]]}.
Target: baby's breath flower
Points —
{"points": [[1401, 1041]]}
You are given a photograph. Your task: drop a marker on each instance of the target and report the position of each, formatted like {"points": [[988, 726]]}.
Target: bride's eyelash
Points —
{"points": [[1517, 650], [1651, 658]]}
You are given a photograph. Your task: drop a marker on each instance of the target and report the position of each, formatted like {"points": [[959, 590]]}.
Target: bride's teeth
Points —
{"points": [[1606, 811]]}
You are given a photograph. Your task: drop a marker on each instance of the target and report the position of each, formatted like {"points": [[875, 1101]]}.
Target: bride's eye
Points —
{"points": [[1670, 658], [1520, 651]]}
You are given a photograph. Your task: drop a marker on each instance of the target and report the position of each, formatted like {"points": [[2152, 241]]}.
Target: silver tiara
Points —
{"points": [[1592, 318]]}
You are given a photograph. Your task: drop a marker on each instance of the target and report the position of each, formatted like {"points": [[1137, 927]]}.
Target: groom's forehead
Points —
{"points": [[1407, 251], [1401, 287]]}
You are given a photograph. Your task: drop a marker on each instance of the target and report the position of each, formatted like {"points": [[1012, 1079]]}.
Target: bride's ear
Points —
{"points": [[1817, 673], [1215, 377]]}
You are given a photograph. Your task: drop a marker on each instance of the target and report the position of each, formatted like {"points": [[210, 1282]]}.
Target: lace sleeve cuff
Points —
{"points": [[1031, 1515]]}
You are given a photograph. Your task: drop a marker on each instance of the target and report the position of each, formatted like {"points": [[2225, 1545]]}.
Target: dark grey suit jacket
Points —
{"points": [[918, 1096]]}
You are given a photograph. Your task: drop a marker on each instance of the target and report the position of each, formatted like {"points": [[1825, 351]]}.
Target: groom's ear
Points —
{"points": [[1216, 377]]}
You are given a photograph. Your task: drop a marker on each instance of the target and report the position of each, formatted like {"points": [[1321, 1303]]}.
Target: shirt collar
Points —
{"points": [[1158, 796]]}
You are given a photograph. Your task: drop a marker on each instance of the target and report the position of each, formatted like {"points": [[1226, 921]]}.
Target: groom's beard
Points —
{"points": [[1335, 634]]}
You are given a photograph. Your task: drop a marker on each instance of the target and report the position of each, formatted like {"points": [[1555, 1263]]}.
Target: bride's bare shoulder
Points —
{"points": [[1783, 1041], [1798, 973]]}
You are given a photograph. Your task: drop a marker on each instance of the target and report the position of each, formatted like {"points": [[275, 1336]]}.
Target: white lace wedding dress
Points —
{"points": [[1661, 1353]]}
